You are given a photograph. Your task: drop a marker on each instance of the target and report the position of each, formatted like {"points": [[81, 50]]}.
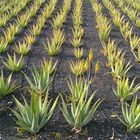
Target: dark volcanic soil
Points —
{"points": [[103, 126]]}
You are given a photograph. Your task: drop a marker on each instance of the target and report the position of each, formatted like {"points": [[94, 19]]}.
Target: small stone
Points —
{"points": [[10, 102], [90, 138]]}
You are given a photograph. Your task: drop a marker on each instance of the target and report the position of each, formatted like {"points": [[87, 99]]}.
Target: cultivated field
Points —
{"points": [[69, 69]]}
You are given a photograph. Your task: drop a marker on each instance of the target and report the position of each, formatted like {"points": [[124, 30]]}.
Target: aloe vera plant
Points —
{"points": [[133, 14], [126, 30], [79, 67], [78, 32], [30, 39], [34, 116], [119, 69], [6, 85], [22, 48], [131, 116], [137, 54], [41, 80], [134, 42], [110, 51], [10, 32], [35, 29], [104, 27], [115, 56], [55, 42], [97, 7], [49, 66], [3, 45], [117, 18], [13, 64], [58, 20], [79, 112], [126, 90], [78, 53], [138, 23], [22, 20], [78, 88]]}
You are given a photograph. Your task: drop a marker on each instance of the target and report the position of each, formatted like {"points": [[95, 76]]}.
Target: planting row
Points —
{"points": [[126, 29], [116, 61], [131, 10], [11, 10]]}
